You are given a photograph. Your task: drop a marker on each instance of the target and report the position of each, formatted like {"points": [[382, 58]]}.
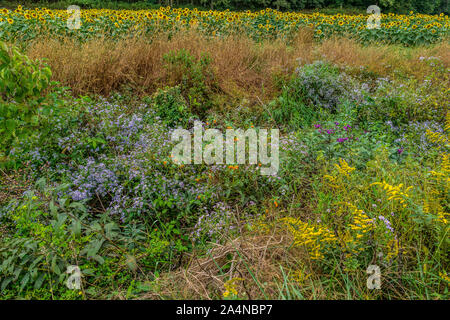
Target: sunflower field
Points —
{"points": [[412, 29]]}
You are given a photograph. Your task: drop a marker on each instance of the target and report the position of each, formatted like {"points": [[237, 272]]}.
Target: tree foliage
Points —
{"points": [[429, 6], [396, 6]]}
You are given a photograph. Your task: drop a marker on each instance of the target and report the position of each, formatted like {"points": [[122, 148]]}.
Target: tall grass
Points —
{"points": [[242, 66]]}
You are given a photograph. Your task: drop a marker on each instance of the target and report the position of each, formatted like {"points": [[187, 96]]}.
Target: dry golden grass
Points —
{"points": [[12, 185], [262, 258], [255, 259], [242, 67], [266, 264], [101, 66], [383, 59], [266, 261]]}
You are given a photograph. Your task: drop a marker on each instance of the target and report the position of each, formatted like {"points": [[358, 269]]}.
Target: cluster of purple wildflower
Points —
{"points": [[132, 177], [387, 223], [344, 131], [213, 223]]}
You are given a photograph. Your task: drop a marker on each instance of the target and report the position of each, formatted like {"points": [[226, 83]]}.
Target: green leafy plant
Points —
{"points": [[195, 77], [22, 85], [171, 106]]}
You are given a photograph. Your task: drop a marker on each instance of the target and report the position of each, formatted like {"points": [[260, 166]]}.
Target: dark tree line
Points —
{"points": [[397, 6], [422, 6]]}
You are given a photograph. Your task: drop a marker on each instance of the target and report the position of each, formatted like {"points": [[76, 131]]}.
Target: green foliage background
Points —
{"points": [[397, 6]]}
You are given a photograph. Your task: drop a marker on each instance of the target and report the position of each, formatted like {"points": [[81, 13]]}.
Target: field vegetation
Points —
{"points": [[86, 177]]}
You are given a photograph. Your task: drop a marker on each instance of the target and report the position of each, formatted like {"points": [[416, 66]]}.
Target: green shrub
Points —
{"points": [[323, 86], [194, 77], [409, 100], [22, 101], [171, 106], [45, 233]]}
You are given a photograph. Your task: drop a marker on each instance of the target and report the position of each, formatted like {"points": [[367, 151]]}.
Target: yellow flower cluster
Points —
{"points": [[437, 137], [332, 181], [351, 239], [442, 217], [441, 139], [444, 276], [230, 287], [314, 237], [395, 192], [388, 221], [361, 223], [392, 249], [440, 178], [439, 185], [300, 277], [344, 168]]}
